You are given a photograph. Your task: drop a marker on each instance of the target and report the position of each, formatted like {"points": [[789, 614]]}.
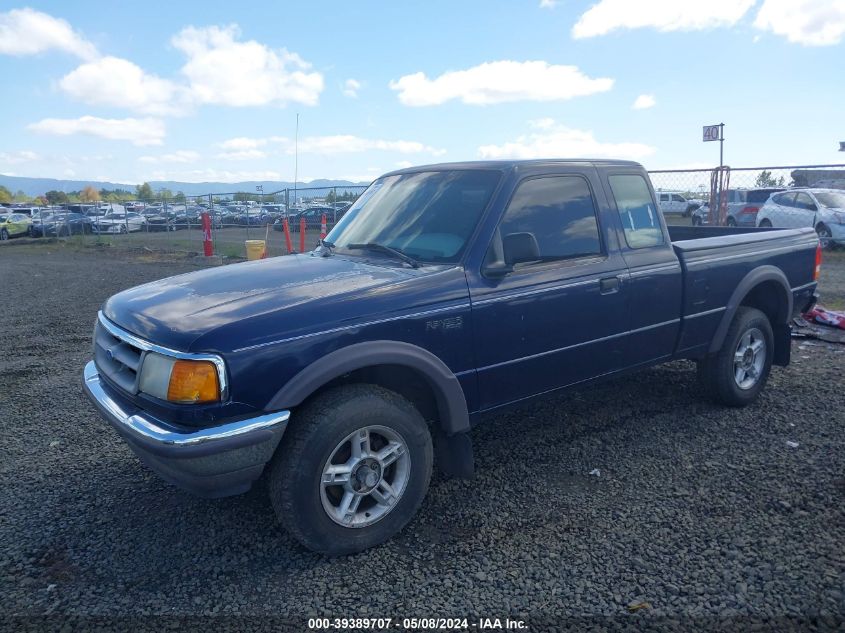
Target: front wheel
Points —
{"points": [[765, 224], [4, 235], [737, 373], [825, 236], [352, 469], [696, 221], [731, 221]]}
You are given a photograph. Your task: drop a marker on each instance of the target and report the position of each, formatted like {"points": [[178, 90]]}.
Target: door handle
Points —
{"points": [[609, 285]]}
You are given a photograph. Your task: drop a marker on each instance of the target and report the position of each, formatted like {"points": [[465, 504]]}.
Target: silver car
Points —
{"points": [[823, 209], [743, 206]]}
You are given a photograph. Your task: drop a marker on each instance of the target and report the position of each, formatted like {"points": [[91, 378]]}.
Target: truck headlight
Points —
{"points": [[178, 380]]}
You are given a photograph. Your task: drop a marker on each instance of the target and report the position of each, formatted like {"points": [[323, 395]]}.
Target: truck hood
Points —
{"points": [[277, 293]]}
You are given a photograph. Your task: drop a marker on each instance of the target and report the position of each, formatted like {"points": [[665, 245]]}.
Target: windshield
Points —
{"points": [[427, 215], [831, 199]]}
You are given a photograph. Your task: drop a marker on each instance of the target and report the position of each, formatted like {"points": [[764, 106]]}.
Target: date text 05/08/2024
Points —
{"points": [[417, 624]]}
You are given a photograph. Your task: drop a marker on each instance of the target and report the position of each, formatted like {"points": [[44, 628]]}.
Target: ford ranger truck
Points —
{"points": [[445, 292]]}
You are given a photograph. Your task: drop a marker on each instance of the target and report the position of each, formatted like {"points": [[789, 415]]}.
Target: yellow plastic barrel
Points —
{"points": [[255, 249]]}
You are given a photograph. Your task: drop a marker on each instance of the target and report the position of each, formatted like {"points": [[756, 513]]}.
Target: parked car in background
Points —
{"points": [[675, 202], [743, 205], [119, 222], [158, 219], [314, 216], [822, 209], [13, 224], [62, 225]]}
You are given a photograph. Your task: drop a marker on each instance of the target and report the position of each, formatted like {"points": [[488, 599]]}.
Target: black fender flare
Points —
{"points": [[451, 402], [749, 282]]}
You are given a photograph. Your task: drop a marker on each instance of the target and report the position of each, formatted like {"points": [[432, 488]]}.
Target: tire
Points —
{"points": [[765, 224], [318, 437], [122, 230], [735, 376], [696, 221], [825, 236], [4, 235], [731, 221]]}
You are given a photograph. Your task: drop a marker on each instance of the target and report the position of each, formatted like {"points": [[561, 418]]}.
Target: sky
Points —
{"points": [[210, 91]]}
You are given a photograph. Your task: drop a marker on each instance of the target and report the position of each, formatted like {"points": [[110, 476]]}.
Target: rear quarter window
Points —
{"points": [[637, 210]]}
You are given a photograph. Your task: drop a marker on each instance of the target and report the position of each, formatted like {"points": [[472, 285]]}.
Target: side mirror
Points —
{"points": [[519, 248], [516, 249]]}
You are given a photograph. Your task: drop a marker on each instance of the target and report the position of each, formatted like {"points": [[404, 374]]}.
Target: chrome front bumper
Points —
{"points": [[215, 462]]}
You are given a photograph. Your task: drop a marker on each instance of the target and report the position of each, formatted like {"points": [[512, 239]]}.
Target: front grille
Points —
{"points": [[119, 361]]}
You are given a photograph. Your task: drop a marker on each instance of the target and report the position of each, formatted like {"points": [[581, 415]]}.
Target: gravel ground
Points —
{"points": [[716, 518]]}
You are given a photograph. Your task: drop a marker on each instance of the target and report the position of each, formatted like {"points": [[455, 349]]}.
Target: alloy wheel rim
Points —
{"points": [[749, 359], [824, 236], [365, 476]]}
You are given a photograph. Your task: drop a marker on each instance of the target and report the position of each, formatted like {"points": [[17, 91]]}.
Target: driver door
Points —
{"points": [[561, 318]]}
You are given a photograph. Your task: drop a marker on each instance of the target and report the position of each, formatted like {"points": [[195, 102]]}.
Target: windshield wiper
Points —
{"points": [[373, 246]]}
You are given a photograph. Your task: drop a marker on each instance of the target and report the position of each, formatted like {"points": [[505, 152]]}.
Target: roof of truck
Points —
{"points": [[510, 164]]}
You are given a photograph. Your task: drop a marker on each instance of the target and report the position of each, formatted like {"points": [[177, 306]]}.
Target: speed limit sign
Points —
{"points": [[711, 133]]}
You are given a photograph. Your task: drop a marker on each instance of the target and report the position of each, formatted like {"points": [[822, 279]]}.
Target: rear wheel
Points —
{"points": [[765, 224], [731, 221], [736, 374], [825, 236], [352, 469]]}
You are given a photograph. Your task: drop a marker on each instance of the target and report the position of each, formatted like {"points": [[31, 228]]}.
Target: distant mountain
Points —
{"points": [[38, 186]]}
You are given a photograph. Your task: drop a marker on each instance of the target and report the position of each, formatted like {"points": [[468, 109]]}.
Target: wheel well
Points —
{"points": [[407, 382], [769, 298]]}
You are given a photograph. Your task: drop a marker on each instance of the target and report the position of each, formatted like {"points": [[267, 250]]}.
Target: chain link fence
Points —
{"points": [[778, 196], [746, 197], [174, 223]]}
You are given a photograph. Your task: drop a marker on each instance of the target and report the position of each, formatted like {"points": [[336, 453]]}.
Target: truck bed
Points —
{"points": [[719, 262]]}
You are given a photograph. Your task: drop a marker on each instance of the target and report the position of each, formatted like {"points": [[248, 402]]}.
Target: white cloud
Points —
{"points": [[29, 32], [146, 131], [244, 147], [499, 82], [348, 144], [179, 156], [644, 102], [243, 154], [807, 22], [548, 4], [542, 124], [559, 141], [15, 158], [214, 175], [111, 81], [404, 164], [242, 143], [222, 70], [351, 87], [663, 15]]}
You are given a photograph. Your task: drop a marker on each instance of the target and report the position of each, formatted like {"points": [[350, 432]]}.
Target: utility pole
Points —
{"points": [[296, 158], [721, 144]]}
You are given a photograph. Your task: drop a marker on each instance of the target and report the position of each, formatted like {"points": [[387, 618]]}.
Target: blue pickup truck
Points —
{"points": [[444, 293]]}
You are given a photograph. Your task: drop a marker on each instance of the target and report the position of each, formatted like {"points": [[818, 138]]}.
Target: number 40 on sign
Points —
{"points": [[711, 133]]}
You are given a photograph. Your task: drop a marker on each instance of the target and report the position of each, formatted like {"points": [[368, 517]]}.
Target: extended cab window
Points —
{"points": [[637, 211], [556, 215]]}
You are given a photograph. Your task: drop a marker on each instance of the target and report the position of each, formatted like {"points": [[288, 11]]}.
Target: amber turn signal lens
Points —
{"points": [[193, 381]]}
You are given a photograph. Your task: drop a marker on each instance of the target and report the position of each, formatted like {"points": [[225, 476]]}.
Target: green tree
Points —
{"points": [[765, 179], [20, 196], [330, 197], [144, 192], [179, 197], [56, 197], [5, 195]]}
